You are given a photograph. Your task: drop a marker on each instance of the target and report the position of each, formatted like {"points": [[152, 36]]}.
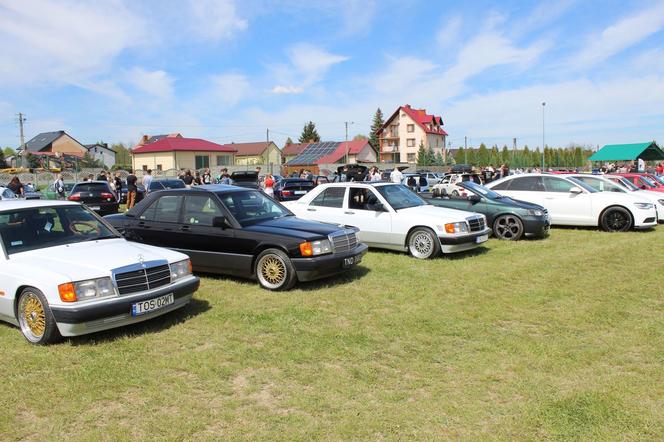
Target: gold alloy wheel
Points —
{"points": [[32, 316], [272, 270]]}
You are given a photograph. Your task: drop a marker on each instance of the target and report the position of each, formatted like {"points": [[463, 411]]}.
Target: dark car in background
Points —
{"points": [[290, 189], [51, 194], [164, 184], [508, 218], [97, 195], [140, 193], [245, 178], [241, 232]]}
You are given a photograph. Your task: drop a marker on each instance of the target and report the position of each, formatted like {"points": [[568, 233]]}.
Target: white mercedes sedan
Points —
{"points": [[391, 216], [572, 202], [65, 272]]}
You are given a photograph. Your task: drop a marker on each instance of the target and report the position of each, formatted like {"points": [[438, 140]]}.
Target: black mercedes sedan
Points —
{"points": [[242, 232]]}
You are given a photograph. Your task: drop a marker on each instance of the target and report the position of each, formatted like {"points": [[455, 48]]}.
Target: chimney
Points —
{"points": [[144, 139]]}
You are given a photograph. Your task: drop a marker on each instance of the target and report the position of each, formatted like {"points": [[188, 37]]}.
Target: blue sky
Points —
{"points": [[228, 70]]}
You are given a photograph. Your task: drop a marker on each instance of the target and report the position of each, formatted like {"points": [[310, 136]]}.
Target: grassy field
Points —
{"points": [[555, 339]]}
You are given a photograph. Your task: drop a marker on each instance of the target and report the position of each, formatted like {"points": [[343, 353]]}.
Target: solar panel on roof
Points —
{"points": [[313, 152]]}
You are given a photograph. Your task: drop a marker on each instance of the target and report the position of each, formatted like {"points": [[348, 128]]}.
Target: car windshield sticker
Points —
{"points": [[16, 243], [48, 226]]}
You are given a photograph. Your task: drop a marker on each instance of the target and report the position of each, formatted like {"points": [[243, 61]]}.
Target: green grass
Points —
{"points": [[557, 339]]}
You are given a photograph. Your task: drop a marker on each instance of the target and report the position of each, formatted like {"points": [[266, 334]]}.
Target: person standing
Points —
{"points": [[197, 179], [59, 187], [396, 176], [269, 185], [146, 181], [118, 185], [642, 165], [207, 177], [16, 186], [131, 190], [188, 179]]}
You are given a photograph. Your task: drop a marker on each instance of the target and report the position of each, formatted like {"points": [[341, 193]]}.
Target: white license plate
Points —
{"points": [[143, 307], [95, 208], [482, 238], [300, 192]]}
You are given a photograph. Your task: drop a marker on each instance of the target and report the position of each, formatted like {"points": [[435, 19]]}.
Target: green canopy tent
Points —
{"points": [[625, 152]]}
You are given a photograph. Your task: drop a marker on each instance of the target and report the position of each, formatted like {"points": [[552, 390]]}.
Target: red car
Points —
{"points": [[643, 181]]}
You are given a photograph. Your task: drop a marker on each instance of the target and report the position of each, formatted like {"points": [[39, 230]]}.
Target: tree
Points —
{"points": [[439, 160], [505, 155], [483, 155], [9, 152], [309, 133], [460, 156], [122, 156], [360, 137], [422, 156], [289, 141], [495, 156], [375, 128]]}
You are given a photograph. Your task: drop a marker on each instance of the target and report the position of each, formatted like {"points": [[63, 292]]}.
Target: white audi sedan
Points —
{"points": [[65, 272], [574, 203], [391, 216]]}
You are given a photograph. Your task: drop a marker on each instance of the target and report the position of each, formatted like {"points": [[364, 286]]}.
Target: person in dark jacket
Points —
{"points": [[132, 189]]}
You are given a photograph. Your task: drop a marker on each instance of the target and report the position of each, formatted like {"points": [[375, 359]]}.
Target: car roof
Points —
{"points": [[30, 204], [361, 183]]}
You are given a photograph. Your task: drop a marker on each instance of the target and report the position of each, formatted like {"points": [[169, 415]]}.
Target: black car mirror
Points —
{"points": [[220, 221], [378, 206], [474, 199]]}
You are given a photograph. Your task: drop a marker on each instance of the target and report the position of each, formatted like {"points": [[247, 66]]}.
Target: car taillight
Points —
{"points": [[75, 197], [286, 192], [107, 195]]}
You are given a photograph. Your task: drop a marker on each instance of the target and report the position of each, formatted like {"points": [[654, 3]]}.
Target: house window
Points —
{"points": [[223, 160], [410, 142], [202, 161], [145, 167], [159, 167], [410, 128], [410, 157]]}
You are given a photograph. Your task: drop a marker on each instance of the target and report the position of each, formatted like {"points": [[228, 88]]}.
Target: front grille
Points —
{"points": [[343, 242], [476, 224], [143, 279]]}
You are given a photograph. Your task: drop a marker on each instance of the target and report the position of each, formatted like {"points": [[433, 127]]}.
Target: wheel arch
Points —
{"points": [[614, 206], [260, 249], [419, 226], [17, 294]]}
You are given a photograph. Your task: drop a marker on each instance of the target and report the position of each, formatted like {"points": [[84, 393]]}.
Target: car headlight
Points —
{"points": [[644, 206], [535, 213], [88, 289], [661, 202], [461, 227], [180, 269], [315, 248]]}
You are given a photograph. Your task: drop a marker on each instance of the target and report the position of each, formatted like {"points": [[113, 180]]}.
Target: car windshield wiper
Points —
{"points": [[104, 237]]}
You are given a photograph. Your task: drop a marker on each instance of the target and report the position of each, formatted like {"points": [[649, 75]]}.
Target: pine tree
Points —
{"points": [[439, 160], [495, 156], [505, 155], [460, 156], [309, 133], [375, 128], [483, 155], [422, 156], [289, 141]]}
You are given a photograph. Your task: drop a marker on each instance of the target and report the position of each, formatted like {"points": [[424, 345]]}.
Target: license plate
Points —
{"points": [[143, 307], [95, 208], [300, 192], [482, 238], [352, 260]]}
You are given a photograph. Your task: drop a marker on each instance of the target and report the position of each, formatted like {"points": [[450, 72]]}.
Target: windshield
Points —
{"points": [[91, 187], [400, 196], [252, 207], [626, 183], [650, 182], [480, 190], [41, 227], [582, 185]]}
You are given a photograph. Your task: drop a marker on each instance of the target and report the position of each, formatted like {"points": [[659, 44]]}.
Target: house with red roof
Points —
{"points": [[408, 128], [177, 152], [332, 152], [261, 152], [291, 150]]}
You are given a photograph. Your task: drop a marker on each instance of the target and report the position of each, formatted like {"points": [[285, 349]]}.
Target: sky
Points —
{"points": [[228, 70]]}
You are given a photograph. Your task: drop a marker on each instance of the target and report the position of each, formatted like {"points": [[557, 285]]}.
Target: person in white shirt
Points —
{"points": [[147, 180], [396, 176]]}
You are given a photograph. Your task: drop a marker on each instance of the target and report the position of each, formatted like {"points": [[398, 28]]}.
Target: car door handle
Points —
{"points": [[143, 225], [311, 210], [348, 212], [184, 228]]}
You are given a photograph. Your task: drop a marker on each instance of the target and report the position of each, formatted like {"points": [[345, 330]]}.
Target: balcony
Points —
{"points": [[390, 148]]}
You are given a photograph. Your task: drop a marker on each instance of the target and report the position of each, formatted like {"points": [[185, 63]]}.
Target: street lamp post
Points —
{"points": [[543, 106]]}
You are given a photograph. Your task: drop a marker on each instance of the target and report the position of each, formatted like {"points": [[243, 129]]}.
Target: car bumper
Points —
{"points": [[536, 226], [309, 269], [455, 244], [77, 320], [105, 208], [645, 219]]}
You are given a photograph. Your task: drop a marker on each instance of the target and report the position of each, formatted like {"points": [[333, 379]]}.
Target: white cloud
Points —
{"points": [[215, 19], [230, 89], [287, 90], [449, 31], [157, 84], [620, 36], [63, 41]]}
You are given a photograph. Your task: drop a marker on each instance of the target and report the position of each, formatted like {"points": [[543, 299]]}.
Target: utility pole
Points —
{"points": [[465, 150], [21, 120], [347, 123], [513, 150], [543, 106], [267, 135]]}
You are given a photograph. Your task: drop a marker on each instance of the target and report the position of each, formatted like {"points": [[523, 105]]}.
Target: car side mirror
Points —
{"points": [[378, 207], [474, 199], [576, 190], [220, 221]]}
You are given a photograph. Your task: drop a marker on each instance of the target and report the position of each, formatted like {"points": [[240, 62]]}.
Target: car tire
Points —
{"points": [[508, 227], [423, 243], [274, 270], [436, 192], [35, 318], [616, 219], [455, 193]]}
